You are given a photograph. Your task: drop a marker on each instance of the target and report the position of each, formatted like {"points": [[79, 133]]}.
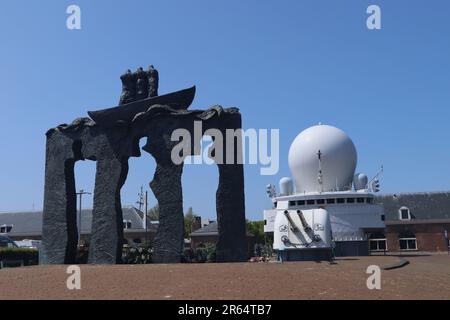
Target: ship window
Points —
{"points": [[301, 202], [291, 203], [331, 200], [350, 200], [383, 217], [310, 201], [369, 200], [320, 201], [360, 200], [340, 200], [275, 204]]}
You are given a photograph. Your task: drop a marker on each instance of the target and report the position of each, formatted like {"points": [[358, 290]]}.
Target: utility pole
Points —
{"points": [[145, 216], [141, 198], [80, 193]]}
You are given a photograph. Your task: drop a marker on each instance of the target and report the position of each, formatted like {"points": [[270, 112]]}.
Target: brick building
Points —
{"points": [[414, 222]]}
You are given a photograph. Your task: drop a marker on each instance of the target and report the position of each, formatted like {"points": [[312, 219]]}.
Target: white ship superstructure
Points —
{"points": [[326, 206]]}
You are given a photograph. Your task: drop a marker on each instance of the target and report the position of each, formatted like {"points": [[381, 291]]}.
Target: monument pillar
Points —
{"points": [[166, 186], [230, 198], [59, 228], [107, 220]]}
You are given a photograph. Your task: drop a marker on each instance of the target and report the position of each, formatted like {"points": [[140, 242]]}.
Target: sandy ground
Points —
{"points": [[426, 277]]}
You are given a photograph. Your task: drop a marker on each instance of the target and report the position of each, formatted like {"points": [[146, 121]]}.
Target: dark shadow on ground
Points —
{"points": [[411, 255]]}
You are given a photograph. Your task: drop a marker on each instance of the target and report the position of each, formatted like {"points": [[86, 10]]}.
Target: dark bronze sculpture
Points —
{"points": [[179, 100], [139, 85], [128, 87], [142, 81], [153, 81], [111, 143]]}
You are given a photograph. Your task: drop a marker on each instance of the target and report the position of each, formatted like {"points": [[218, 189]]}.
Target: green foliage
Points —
{"points": [[189, 219], [206, 253], [153, 213], [267, 250], [137, 254], [30, 256], [188, 255], [257, 229]]}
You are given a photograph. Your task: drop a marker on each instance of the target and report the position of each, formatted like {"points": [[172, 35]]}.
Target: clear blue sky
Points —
{"points": [[285, 64]]}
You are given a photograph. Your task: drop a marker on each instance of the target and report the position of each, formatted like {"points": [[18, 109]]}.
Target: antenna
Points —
{"points": [[374, 182], [141, 198], [319, 175], [271, 192]]}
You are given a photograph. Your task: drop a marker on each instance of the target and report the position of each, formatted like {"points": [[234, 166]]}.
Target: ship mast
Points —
{"points": [[319, 175]]}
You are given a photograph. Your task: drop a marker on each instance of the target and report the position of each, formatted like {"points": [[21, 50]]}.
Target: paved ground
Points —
{"points": [[426, 277]]}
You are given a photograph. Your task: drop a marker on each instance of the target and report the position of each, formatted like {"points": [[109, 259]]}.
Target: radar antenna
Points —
{"points": [[271, 192], [374, 184], [319, 175]]}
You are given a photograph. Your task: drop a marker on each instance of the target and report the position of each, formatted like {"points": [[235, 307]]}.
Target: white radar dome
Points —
{"points": [[360, 181], [286, 186], [322, 158]]}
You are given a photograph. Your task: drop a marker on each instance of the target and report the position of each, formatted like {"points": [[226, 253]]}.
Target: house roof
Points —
{"points": [[422, 205], [30, 223], [208, 230], [211, 229]]}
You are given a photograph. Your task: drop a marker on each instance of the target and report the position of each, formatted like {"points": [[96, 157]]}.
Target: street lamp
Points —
{"points": [[80, 193]]}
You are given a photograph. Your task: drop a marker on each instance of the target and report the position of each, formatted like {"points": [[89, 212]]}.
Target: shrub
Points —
{"points": [[137, 254], [206, 253], [28, 255], [188, 255], [267, 251]]}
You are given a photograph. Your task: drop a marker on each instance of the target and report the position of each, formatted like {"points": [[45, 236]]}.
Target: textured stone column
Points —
{"points": [[230, 199], [107, 220], [59, 228], [111, 148], [166, 186]]}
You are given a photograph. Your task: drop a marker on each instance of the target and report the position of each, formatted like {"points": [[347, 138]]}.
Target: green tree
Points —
{"points": [[153, 213], [257, 229], [189, 219]]}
